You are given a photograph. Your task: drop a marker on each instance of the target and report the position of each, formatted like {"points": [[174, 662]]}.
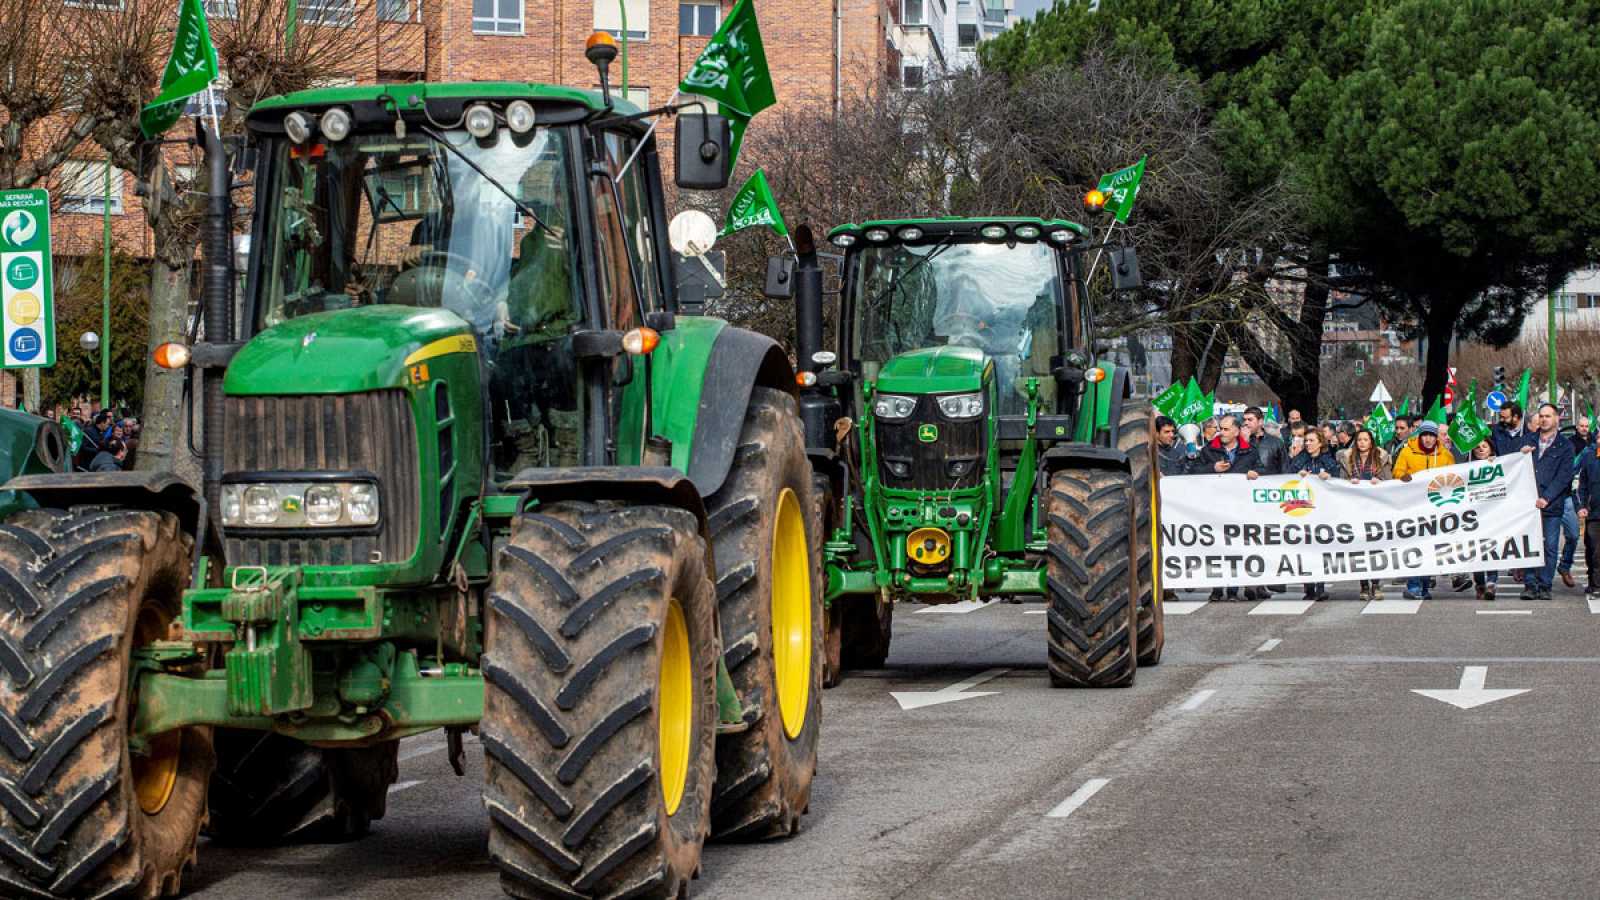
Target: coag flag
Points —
{"points": [[732, 70], [754, 205], [1436, 413], [1196, 408], [1170, 401], [190, 70], [1468, 431], [1122, 188], [1381, 424]]}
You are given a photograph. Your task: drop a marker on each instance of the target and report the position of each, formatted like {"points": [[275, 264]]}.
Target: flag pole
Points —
{"points": [[105, 295], [640, 146], [623, 4], [1100, 251]]}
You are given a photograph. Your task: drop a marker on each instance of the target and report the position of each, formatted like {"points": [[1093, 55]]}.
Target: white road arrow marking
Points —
{"points": [[1472, 692], [965, 606], [1079, 797], [919, 699]]}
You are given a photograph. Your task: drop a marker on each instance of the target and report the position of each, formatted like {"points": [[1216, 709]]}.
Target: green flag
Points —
{"points": [[190, 70], [1436, 413], [732, 70], [1381, 424], [1405, 406], [1121, 188], [754, 205], [1170, 401], [1594, 424], [1468, 431], [1195, 408], [74, 434], [1522, 391]]}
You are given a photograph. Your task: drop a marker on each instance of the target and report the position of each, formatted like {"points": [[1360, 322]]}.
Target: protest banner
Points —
{"points": [[1230, 531]]}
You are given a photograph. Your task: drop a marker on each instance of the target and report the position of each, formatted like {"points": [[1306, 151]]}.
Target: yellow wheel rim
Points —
{"points": [[155, 775], [791, 614], [675, 702]]}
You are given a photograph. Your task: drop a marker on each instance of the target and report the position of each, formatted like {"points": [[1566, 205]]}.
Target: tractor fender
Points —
{"points": [[1082, 456], [163, 491], [739, 361], [656, 485]]}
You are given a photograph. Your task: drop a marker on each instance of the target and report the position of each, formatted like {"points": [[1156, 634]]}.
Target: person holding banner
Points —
{"points": [[1589, 516], [1230, 453], [1421, 453], [1553, 471], [1365, 461], [1486, 580], [1171, 455], [1316, 460], [1507, 436], [1271, 458]]}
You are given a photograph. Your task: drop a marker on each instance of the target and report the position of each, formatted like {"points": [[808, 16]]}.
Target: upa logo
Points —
{"points": [[1484, 474], [1450, 489], [1294, 498]]}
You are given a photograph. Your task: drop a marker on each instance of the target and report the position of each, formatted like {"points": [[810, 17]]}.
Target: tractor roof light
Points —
{"points": [[641, 341], [336, 124], [479, 120], [519, 115], [1095, 200], [600, 46], [298, 126], [877, 235], [910, 233], [845, 240], [1027, 232], [172, 356], [994, 232], [1062, 236]]}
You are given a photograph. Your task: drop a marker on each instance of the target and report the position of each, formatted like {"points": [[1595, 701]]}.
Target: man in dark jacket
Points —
{"points": [[1553, 470], [1589, 515], [1171, 454], [1230, 453], [110, 457], [1271, 453], [1507, 436]]}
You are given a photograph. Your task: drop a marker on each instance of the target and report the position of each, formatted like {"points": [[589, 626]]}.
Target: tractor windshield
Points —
{"points": [[408, 221], [1002, 299]]}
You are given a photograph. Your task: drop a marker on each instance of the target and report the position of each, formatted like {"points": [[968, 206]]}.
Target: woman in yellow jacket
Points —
{"points": [[1420, 454]]}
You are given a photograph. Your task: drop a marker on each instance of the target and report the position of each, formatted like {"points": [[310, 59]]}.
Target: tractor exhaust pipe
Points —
{"points": [[807, 300], [216, 296]]}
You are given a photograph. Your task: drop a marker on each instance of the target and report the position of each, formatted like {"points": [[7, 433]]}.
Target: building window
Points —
{"points": [[913, 12], [1589, 301], [911, 77], [697, 19], [497, 16], [399, 11], [222, 9], [82, 188], [327, 12], [1564, 302], [967, 36], [608, 17]]}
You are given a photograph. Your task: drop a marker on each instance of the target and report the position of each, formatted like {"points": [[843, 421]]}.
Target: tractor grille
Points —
{"points": [[952, 461], [373, 432]]}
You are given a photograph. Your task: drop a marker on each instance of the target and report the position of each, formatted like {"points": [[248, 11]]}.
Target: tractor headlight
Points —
{"points": [[961, 406], [894, 407], [300, 504]]}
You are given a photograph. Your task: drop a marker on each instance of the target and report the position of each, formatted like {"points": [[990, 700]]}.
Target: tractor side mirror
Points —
{"points": [[1125, 269], [701, 147], [780, 278]]}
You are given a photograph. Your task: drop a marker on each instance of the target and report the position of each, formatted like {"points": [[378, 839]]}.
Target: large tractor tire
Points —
{"points": [[600, 707], [769, 601], [1134, 438], [85, 816], [1092, 619], [269, 789]]}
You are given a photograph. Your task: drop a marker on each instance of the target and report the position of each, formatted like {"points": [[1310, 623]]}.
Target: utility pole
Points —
{"points": [[1550, 341]]}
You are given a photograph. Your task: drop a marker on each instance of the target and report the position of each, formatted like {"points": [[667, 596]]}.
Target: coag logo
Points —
{"points": [[1450, 490], [1294, 498], [1484, 474]]}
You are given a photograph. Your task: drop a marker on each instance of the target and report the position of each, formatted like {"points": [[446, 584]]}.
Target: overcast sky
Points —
{"points": [[1026, 8]]}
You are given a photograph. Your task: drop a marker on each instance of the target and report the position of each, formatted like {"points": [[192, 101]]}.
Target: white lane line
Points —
{"points": [[1079, 797], [1198, 698], [423, 750], [1034, 612], [1505, 612], [1594, 605], [964, 606], [1281, 607], [1269, 645], [403, 786], [1391, 607], [1183, 607]]}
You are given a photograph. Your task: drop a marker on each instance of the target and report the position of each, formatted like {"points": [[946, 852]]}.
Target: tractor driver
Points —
{"points": [[967, 317]]}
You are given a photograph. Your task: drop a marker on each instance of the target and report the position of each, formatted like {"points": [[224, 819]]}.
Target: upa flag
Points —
{"points": [[1468, 431], [1195, 409], [1170, 401], [1381, 424], [1522, 391], [754, 205], [732, 70], [1121, 188], [190, 70]]}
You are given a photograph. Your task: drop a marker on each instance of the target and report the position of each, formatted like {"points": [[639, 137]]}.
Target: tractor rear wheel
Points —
{"points": [[1133, 438], [822, 524], [87, 813], [269, 788], [1092, 619], [769, 600], [600, 707]]}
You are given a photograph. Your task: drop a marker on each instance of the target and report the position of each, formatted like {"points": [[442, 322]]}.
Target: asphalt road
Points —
{"points": [[1284, 755]]}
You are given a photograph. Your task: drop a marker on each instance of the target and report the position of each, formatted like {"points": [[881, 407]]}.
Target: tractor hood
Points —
{"points": [[345, 351], [935, 370]]}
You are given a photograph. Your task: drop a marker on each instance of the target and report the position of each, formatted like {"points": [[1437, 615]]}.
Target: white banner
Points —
{"points": [[1228, 531]]}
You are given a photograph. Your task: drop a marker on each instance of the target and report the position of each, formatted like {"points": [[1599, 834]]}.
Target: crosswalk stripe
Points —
{"points": [[1594, 605], [1281, 607], [1391, 607], [1183, 607]]}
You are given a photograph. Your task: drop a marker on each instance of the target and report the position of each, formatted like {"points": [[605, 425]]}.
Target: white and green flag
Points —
{"points": [[190, 70], [754, 205], [1121, 188]]}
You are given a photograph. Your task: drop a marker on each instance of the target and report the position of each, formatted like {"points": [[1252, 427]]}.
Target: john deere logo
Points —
{"points": [[1294, 498], [928, 433], [291, 505], [1448, 490]]}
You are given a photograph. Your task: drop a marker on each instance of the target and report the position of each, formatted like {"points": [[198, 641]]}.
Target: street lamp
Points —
{"points": [[90, 342]]}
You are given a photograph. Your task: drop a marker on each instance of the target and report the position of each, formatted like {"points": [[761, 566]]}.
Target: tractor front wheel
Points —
{"points": [[87, 811], [1134, 438], [1093, 615], [600, 709], [269, 788]]}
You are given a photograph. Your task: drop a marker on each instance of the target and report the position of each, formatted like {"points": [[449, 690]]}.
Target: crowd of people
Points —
{"points": [[1566, 467], [102, 440]]}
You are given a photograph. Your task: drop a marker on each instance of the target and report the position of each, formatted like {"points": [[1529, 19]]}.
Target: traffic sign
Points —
{"points": [[1380, 394], [27, 307], [1449, 396], [1494, 400]]}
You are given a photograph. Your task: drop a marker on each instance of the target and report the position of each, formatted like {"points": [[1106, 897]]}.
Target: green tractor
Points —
{"points": [[973, 445], [466, 467]]}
